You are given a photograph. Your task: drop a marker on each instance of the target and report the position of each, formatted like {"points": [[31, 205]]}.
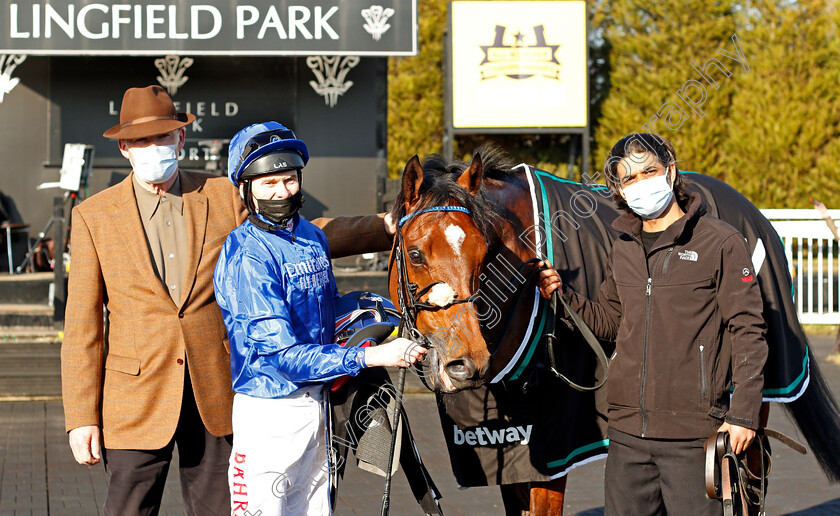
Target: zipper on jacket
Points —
{"points": [[702, 370], [645, 351], [667, 257]]}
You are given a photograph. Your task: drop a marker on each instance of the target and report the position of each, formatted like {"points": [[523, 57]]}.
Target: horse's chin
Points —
{"points": [[442, 382]]}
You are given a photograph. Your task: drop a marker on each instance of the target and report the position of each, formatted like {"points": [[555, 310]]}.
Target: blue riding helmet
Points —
{"points": [[364, 317], [259, 140]]}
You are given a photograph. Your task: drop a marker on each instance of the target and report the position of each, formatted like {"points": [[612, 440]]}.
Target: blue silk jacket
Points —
{"points": [[277, 294]]}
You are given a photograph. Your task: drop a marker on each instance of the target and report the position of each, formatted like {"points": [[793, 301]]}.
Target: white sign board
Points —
{"points": [[77, 162], [519, 64]]}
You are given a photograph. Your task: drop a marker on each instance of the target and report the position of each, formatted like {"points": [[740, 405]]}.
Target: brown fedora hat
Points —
{"points": [[146, 112]]}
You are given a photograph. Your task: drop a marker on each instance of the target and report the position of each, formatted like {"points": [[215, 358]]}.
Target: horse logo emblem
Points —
{"points": [[172, 70], [518, 60], [331, 72], [376, 17], [8, 63]]}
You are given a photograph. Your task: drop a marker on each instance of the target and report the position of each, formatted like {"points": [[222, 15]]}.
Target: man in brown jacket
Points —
{"points": [[681, 300], [156, 371]]}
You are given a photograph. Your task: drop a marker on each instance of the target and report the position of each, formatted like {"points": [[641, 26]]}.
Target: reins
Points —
{"points": [[734, 489], [588, 336], [409, 295], [551, 338], [730, 477]]}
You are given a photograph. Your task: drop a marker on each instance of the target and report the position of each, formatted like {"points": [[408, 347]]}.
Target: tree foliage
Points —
{"points": [[415, 92], [781, 144], [767, 125], [769, 129]]}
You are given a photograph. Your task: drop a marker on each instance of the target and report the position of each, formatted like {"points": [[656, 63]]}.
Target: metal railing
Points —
{"points": [[812, 256]]}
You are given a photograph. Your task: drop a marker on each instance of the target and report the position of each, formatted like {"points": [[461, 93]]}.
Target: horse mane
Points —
{"points": [[439, 187], [497, 163]]}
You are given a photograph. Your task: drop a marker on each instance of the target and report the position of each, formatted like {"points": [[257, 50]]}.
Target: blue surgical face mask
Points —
{"points": [[155, 164], [648, 198]]}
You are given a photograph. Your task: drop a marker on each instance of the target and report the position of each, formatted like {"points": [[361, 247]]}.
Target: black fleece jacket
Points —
{"points": [[686, 319]]}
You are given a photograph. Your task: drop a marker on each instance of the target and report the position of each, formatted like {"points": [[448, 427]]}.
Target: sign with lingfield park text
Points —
{"points": [[209, 27]]}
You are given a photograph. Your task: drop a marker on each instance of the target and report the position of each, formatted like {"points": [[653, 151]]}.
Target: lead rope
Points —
{"points": [[409, 304], [548, 334], [551, 338], [588, 336]]}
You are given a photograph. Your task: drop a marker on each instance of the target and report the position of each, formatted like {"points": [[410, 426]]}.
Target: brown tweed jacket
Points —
{"points": [[126, 373]]}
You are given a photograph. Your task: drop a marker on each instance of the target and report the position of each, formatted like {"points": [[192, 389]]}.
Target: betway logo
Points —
{"points": [[484, 436]]}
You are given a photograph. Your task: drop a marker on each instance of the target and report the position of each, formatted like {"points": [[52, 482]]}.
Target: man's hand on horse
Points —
{"points": [[739, 437], [548, 280], [390, 224], [399, 352]]}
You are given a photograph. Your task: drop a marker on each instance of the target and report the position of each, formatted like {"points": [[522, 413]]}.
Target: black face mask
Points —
{"points": [[279, 211]]}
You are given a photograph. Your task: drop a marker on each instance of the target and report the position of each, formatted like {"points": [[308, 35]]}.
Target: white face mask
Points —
{"points": [[649, 198], [156, 163]]}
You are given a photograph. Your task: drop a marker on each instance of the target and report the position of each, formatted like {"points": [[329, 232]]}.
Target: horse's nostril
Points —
{"points": [[460, 369]]}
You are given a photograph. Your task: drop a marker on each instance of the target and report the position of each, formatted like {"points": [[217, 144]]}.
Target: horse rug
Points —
{"points": [[526, 425]]}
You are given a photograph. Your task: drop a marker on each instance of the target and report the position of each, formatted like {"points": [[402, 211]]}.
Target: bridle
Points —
{"points": [[408, 292], [409, 295]]}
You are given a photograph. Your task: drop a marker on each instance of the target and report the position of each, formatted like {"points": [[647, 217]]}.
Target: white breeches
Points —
{"points": [[279, 465]]}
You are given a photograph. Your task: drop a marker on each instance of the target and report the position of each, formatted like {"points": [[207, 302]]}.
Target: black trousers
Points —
{"points": [[136, 477], [656, 477]]}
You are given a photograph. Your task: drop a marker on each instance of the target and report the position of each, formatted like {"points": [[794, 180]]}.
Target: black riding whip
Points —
{"points": [[386, 497]]}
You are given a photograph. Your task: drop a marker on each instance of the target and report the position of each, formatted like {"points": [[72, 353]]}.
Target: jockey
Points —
{"points": [[276, 290]]}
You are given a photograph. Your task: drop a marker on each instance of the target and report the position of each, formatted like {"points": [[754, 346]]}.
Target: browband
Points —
{"points": [[436, 208]]}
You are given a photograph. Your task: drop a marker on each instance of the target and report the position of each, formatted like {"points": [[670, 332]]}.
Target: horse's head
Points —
{"points": [[445, 224]]}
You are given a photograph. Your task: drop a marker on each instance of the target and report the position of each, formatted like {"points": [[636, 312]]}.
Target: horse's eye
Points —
{"points": [[416, 257]]}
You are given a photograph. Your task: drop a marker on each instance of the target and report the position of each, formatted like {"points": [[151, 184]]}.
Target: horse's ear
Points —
{"points": [[470, 178], [411, 181]]}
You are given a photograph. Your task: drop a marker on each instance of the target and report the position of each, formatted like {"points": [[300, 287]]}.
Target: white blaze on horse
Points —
{"points": [[461, 269]]}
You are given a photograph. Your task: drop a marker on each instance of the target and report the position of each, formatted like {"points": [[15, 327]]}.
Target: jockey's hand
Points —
{"points": [[548, 280], [739, 437], [84, 441], [399, 352]]}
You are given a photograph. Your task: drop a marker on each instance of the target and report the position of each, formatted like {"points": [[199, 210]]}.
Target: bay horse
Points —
{"points": [[462, 267]]}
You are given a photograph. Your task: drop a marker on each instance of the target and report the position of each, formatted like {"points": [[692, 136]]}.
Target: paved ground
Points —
{"points": [[39, 477]]}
